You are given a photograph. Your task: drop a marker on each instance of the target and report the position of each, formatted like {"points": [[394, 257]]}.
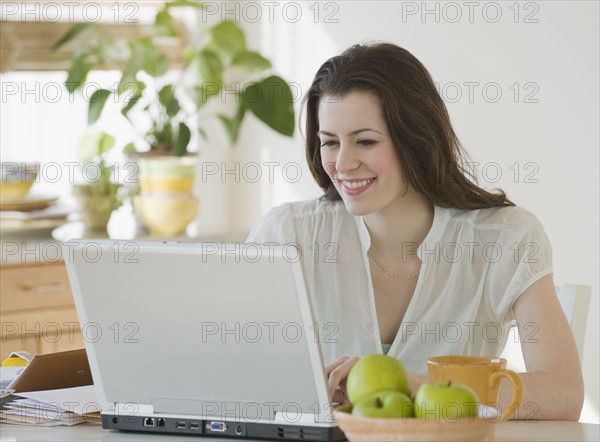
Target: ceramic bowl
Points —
{"points": [[166, 214], [17, 179], [370, 429]]}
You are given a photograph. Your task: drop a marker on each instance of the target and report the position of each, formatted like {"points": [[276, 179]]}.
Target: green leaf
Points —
{"points": [[164, 24], [184, 3], [138, 90], [106, 143], [97, 102], [187, 54], [133, 66], [232, 125], [109, 51], [161, 137], [271, 100], [129, 148], [154, 62], [144, 56], [251, 61], [74, 32], [183, 139], [159, 66], [209, 67], [93, 144], [228, 38], [77, 74], [173, 107], [166, 97]]}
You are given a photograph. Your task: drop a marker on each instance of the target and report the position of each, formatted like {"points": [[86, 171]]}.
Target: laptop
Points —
{"points": [[205, 339]]}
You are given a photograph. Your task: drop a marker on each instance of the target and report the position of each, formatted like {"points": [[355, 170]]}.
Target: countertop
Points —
{"points": [[509, 431]]}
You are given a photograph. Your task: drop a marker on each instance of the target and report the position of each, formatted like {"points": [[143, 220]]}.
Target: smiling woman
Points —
{"points": [[424, 260], [410, 114], [344, 149]]}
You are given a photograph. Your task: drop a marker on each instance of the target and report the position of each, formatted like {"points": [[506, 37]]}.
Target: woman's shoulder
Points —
{"points": [[282, 219], [513, 218], [315, 208]]}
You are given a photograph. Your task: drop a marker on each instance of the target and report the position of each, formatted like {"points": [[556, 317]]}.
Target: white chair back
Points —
{"points": [[575, 301]]}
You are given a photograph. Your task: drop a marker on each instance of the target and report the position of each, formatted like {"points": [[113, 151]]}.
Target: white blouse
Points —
{"points": [[475, 264]]}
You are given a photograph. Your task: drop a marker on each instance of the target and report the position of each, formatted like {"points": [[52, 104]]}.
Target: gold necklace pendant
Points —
{"points": [[387, 272]]}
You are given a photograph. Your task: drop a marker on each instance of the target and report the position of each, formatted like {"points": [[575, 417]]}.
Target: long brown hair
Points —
{"points": [[431, 156]]}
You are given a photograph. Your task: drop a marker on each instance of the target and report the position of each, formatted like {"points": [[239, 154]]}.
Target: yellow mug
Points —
{"points": [[481, 373]]}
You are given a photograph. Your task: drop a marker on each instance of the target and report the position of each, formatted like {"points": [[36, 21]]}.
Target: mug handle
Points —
{"points": [[517, 383]]}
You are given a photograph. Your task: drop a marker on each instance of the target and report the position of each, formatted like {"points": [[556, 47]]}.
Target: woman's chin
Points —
{"points": [[357, 209]]}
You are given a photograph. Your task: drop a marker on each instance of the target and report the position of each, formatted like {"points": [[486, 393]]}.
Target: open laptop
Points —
{"points": [[206, 339]]}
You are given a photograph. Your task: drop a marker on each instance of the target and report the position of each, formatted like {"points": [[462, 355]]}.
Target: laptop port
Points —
{"points": [[216, 426], [180, 425], [160, 422], [238, 430], [149, 422], [194, 425]]}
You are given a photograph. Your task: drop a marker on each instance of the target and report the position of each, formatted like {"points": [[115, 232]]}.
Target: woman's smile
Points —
{"points": [[353, 187]]}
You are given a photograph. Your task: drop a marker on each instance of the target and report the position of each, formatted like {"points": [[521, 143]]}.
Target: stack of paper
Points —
{"points": [[67, 406], [9, 374], [22, 214]]}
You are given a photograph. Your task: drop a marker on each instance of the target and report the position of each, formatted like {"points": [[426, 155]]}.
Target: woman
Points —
{"points": [[404, 254]]}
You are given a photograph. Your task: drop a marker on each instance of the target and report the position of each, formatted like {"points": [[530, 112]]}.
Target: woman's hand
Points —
{"points": [[336, 373]]}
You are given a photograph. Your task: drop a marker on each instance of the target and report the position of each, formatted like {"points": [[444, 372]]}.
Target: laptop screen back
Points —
{"points": [[190, 327]]}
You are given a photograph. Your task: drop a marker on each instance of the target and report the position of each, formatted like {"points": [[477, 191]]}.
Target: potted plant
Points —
{"points": [[97, 193], [161, 106], [172, 82]]}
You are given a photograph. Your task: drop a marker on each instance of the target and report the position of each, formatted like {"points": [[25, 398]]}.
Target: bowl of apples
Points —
{"points": [[382, 409]]}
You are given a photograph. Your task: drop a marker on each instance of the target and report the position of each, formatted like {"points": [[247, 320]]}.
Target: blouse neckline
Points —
{"points": [[440, 219]]}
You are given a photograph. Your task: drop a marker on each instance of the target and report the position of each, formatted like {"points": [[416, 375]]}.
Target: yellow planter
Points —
{"points": [[166, 184], [166, 215], [167, 174]]}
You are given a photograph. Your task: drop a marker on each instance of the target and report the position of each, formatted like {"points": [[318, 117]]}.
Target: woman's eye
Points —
{"points": [[367, 143], [328, 143]]}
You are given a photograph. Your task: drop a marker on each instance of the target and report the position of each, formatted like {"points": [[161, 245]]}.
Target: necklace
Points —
{"points": [[387, 272]]}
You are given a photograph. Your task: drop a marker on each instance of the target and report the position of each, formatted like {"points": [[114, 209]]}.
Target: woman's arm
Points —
{"points": [[553, 384]]}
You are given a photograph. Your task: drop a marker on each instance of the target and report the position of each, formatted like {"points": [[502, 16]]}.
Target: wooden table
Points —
{"points": [[510, 431]]}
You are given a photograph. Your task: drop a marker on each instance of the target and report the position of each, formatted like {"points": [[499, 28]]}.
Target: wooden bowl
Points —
{"points": [[373, 429]]}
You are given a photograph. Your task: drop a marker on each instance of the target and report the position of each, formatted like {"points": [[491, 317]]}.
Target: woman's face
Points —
{"points": [[358, 154]]}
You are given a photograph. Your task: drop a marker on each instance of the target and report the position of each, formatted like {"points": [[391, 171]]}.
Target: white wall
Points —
{"points": [[554, 140]]}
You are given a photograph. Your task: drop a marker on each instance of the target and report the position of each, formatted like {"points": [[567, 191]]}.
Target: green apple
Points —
{"points": [[436, 400], [386, 403], [376, 372]]}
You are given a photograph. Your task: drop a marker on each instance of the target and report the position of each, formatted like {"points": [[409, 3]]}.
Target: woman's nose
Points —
{"points": [[346, 160]]}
